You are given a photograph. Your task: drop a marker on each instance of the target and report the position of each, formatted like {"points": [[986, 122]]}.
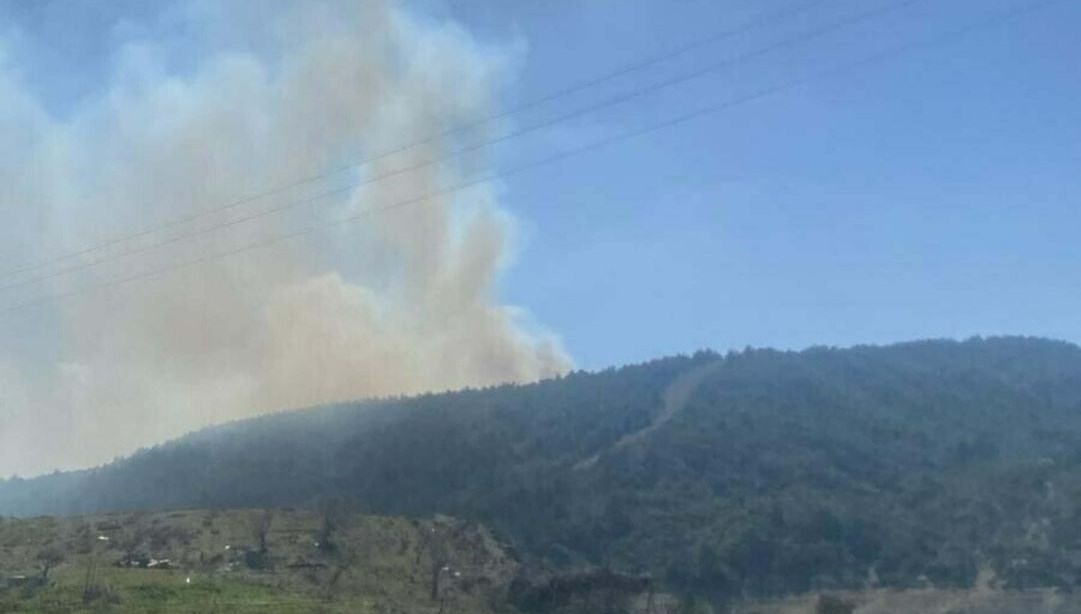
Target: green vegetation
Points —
{"points": [[150, 591], [920, 464], [202, 561]]}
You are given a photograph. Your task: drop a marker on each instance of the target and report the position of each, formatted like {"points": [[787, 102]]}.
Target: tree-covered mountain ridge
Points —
{"points": [[755, 472]]}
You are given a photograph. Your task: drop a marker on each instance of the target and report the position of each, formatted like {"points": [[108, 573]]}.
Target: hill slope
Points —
{"points": [[249, 561], [767, 472]]}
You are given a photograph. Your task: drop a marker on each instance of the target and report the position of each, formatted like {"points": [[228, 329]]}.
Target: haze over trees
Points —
{"points": [[915, 464]]}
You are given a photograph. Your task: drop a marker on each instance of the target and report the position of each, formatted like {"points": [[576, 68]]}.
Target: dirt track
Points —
{"points": [[674, 399]]}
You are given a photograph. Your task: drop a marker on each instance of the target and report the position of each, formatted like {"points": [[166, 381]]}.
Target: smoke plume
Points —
{"points": [[246, 96]]}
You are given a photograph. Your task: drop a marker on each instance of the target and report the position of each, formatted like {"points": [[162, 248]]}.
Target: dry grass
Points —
{"points": [[377, 564]]}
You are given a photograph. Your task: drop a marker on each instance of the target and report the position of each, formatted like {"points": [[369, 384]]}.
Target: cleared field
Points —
{"points": [[249, 561]]}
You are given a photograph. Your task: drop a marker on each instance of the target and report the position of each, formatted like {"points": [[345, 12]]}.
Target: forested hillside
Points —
{"points": [[759, 472]]}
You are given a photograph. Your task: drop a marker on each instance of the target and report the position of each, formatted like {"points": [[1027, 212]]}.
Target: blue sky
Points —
{"points": [[933, 194]]}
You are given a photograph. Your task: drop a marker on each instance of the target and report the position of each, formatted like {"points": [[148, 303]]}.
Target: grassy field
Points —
{"points": [[375, 565], [131, 590], [249, 561]]}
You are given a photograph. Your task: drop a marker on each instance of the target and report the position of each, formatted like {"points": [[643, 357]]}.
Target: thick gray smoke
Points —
{"points": [[399, 302]]}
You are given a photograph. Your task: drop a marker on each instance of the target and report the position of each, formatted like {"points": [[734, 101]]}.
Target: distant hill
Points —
{"points": [[758, 472]]}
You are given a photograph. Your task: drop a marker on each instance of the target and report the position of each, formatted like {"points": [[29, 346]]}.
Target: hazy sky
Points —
{"points": [[932, 194]]}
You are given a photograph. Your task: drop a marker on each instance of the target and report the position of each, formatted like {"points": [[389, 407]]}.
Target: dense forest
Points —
{"points": [[754, 473]]}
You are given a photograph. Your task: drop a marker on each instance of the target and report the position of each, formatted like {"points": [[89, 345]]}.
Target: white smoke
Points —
{"points": [[402, 301]]}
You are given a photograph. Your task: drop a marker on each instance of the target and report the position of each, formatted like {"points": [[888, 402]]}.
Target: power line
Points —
{"points": [[945, 38], [607, 103], [630, 68]]}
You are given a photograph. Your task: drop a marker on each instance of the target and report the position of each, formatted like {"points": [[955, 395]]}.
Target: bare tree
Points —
{"points": [[48, 558], [333, 514], [261, 522], [437, 542], [94, 589], [91, 589], [344, 560]]}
